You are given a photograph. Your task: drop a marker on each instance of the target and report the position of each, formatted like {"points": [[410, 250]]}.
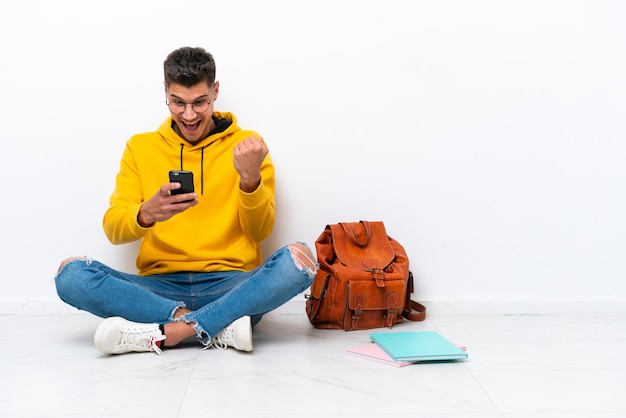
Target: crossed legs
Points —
{"points": [[180, 327]]}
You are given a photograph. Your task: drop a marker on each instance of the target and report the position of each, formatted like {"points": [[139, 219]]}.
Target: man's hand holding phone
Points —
{"points": [[172, 198]]}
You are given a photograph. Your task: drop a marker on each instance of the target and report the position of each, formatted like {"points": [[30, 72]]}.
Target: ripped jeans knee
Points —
{"points": [[69, 260], [303, 258]]}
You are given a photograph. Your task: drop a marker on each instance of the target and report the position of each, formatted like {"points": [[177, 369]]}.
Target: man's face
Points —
{"points": [[191, 109]]}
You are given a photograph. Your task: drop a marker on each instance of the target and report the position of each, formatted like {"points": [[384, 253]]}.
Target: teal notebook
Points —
{"points": [[418, 346]]}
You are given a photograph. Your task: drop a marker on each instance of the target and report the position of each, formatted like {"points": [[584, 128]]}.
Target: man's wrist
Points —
{"points": [[142, 221], [249, 186]]}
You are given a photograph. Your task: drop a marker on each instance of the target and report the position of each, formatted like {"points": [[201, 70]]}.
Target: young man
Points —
{"points": [[200, 267]]}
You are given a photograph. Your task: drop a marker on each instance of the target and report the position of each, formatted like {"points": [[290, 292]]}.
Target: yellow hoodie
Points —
{"points": [[222, 232]]}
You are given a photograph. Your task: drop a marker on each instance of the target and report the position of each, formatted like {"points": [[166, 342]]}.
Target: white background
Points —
{"points": [[487, 135]]}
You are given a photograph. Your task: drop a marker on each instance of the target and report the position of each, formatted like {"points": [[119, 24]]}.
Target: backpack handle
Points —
{"points": [[349, 231]]}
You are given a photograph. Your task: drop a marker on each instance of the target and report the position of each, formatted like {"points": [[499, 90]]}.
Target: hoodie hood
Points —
{"points": [[225, 125]]}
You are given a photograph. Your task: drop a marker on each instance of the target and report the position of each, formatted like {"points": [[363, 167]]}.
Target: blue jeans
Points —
{"points": [[215, 299]]}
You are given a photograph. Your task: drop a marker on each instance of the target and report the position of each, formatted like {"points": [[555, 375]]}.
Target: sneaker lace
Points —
{"points": [[224, 338], [140, 338]]}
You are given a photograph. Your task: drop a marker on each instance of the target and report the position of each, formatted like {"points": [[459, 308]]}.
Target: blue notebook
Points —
{"points": [[417, 346]]}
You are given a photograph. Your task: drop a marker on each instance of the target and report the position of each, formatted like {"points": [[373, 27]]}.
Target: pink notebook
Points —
{"points": [[373, 352]]}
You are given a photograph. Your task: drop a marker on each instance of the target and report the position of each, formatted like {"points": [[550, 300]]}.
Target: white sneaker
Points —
{"points": [[118, 335], [237, 335]]}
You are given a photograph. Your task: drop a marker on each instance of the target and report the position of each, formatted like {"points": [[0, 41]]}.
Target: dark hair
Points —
{"points": [[189, 66]]}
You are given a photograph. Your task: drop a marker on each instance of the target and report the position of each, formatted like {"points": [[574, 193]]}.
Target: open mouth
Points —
{"points": [[191, 127]]}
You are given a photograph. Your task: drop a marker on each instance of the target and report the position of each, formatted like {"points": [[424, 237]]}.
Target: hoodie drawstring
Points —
{"points": [[202, 172], [182, 145], [181, 156]]}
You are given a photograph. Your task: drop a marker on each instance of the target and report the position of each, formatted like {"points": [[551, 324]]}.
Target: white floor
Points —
{"points": [[543, 363]]}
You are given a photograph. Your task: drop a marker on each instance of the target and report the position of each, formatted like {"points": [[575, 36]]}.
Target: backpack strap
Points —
{"points": [[413, 311]]}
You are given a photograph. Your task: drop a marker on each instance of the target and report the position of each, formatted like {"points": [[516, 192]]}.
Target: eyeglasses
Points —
{"points": [[199, 106]]}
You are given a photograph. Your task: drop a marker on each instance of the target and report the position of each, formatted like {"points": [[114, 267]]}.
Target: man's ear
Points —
{"points": [[216, 93]]}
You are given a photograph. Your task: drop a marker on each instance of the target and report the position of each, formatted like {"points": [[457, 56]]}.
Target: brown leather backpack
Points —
{"points": [[363, 280]]}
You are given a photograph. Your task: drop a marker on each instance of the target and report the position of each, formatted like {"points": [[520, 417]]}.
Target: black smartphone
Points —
{"points": [[185, 178]]}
